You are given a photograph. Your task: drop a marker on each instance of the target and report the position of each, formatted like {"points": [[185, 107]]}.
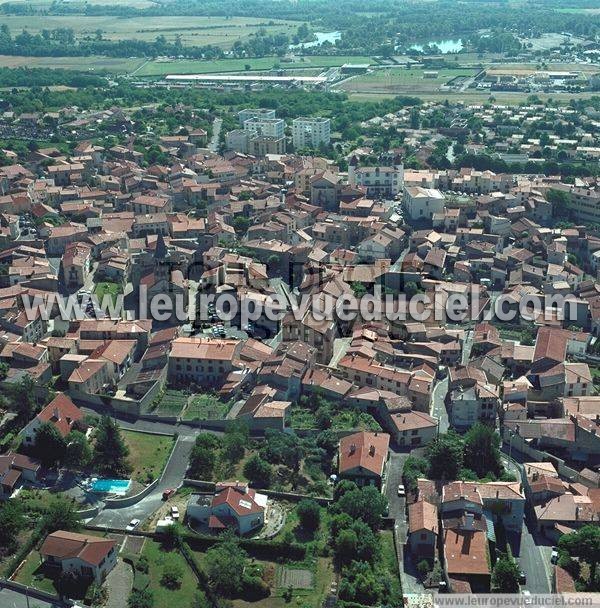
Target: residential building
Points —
{"points": [[362, 457], [311, 132], [422, 203], [86, 556]]}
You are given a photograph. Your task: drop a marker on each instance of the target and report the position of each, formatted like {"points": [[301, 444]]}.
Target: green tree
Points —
{"points": [[50, 446], [345, 546], [505, 575], [585, 545], [78, 452], [481, 453], [365, 503], [224, 564], [445, 455], [110, 451], [141, 598], [61, 515], [172, 574], [309, 514], [258, 471], [12, 522], [202, 460]]}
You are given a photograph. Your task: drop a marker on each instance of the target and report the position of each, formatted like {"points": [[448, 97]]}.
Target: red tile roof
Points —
{"points": [[68, 545], [365, 450]]}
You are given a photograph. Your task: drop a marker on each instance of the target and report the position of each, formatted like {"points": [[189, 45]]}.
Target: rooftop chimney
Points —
{"points": [[353, 448], [372, 450]]}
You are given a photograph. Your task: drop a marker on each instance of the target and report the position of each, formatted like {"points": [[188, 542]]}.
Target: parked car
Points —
{"points": [[168, 493], [554, 556], [522, 577], [174, 512], [132, 525], [526, 597], [401, 491]]}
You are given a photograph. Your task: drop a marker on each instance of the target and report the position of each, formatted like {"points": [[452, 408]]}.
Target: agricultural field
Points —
{"points": [[402, 81], [161, 67], [116, 65], [194, 31]]}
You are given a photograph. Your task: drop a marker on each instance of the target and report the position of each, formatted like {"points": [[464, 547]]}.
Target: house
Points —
{"points": [[90, 557], [363, 456], [233, 506], [14, 470], [471, 404], [466, 560], [414, 428], [422, 203], [423, 529], [90, 377], [62, 413]]}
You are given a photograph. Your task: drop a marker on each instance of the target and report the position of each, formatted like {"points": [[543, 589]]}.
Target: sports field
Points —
{"points": [[160, 67], [402, 81]]}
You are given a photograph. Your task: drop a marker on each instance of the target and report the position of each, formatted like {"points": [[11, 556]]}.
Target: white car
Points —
{"points": [[401, 491], [133, 524], [554, 556], [526, 597], [174, 512]]}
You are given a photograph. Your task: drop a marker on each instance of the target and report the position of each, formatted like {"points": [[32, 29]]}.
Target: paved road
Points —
{"points": [[397, 506], [467, 346], [213, 146], [533, 558], [393, 480], [12, 599], [172, 477], [438, 405]]}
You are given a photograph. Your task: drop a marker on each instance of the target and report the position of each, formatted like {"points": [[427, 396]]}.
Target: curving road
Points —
{"points": [[172, 477]]}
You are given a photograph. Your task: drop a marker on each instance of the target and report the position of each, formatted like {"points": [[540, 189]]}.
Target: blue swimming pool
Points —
{"points": [[110, 486]]}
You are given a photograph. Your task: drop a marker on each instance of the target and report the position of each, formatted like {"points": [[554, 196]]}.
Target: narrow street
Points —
{"points": [[397, 510], [213, 146], [532, 556]]}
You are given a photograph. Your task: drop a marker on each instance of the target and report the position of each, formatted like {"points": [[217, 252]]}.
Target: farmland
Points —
{"points": [[194, 31], [115, 65]]}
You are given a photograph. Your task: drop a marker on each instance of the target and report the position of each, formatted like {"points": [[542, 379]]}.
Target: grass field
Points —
{"points": [[401, 81], [94, 63], [148, 454], [160, 67], [196, 31], [158, 558]]}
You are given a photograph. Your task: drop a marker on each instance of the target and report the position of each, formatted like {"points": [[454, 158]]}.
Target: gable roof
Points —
{"points": [[365, 450], [62, 413], [68, 545]]}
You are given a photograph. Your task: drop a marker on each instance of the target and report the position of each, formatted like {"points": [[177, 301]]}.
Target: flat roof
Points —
{"points": [[246, 78]]}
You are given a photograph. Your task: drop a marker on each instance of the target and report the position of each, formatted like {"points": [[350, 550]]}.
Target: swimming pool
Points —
{"points": [[110, 486]]}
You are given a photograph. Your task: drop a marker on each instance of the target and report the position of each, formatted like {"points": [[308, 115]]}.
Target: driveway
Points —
{"points": [[119, 583], [172, 477]]}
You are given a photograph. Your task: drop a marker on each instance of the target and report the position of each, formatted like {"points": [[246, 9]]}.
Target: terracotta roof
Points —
{"points": [[466, 552], [68, 545], [62, 413], [422, 516], [241, 502], [406, 421], [365, 450]]}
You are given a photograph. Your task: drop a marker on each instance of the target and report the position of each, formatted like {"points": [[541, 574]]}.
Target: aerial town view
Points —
{"points": [[299, 303]]}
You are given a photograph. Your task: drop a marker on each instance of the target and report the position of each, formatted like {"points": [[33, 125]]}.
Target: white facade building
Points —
{"points": [[422, 203], [311, 132]]}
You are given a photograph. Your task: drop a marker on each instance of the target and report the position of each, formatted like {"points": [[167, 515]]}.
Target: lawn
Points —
{"points": [[171, 403], [33, 574], [389, 560], [148, 454], [157, 558], [112, 290], [206, 407]]}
